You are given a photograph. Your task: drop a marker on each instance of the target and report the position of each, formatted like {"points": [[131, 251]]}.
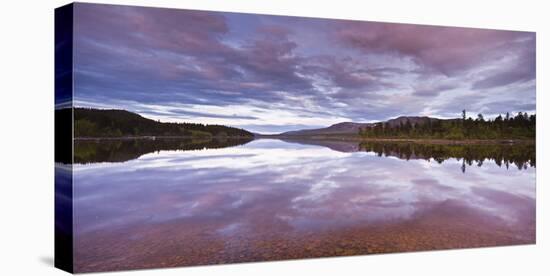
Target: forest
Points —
{"points": [[92, 123], [521, 126]]}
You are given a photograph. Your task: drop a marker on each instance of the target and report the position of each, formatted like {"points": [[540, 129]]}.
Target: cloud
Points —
{"points": [[520, 68], [129, 49], [433, 90], [448, 50]]}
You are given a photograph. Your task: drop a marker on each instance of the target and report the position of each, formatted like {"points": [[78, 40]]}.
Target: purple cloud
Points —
{"points": [[448, 50]]}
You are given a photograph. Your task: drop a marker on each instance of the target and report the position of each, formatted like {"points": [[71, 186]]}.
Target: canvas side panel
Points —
{"points": [[64, 138]]}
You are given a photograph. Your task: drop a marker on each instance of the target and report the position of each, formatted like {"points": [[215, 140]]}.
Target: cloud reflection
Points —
{"points": [[300, 186]]}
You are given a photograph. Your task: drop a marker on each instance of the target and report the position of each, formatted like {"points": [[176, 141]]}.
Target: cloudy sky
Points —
{"points": [[270, 74]]}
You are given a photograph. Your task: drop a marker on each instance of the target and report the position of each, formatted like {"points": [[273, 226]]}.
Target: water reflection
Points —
{"points": [[519, 155], [120, 150], [271, 200]]}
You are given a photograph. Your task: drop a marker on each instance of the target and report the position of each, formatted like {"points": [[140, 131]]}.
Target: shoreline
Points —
{"points": [[402, 140], [452, 142], [157, 137], [325, 138]]}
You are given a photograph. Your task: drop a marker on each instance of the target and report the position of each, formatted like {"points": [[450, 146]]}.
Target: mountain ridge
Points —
{"points": [[349, 128]]}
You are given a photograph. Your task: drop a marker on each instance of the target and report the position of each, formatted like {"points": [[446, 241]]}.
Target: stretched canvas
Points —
{"points": [[189, 138]]}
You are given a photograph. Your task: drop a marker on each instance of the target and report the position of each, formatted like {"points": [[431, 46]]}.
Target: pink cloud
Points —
{"points": [[448, 50]]}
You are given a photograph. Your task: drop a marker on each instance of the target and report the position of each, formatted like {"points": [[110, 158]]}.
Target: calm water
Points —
{"points": [[172, 205]]}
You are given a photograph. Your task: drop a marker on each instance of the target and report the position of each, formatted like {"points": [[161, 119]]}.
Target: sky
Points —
{"points": [[270, 74]]}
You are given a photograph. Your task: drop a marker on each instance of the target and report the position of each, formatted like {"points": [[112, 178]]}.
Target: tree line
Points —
{"points": [[521, 126]]}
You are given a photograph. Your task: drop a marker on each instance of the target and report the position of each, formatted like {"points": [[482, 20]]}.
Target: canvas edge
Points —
{"points": [[63, 137]]}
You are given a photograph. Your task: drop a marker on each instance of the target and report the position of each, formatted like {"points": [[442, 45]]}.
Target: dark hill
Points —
{"points": [[121, 123], [414, 120]]}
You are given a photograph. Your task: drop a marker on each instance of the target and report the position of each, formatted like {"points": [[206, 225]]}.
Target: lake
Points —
{"points": [[153, 203]]}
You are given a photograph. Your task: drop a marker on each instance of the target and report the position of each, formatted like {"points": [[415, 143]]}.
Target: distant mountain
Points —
{"points": [[92, 123], [350, 128], [336, 129]]}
